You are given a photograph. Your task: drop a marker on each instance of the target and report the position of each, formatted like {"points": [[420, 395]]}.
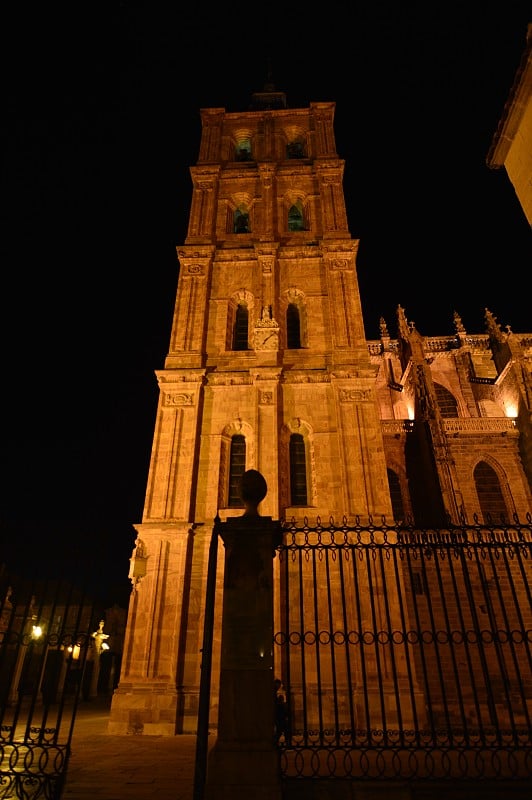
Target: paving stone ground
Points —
{"points": [[110, 767]]}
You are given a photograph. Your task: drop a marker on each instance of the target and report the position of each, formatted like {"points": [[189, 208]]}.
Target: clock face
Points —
{"points": [[267, 338]]}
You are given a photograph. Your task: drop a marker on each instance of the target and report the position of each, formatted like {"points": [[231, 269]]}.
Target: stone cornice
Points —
{"points": [[177, 377]]}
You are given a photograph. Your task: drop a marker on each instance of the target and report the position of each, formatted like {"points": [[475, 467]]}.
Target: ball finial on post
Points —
{"points": [[253, 491]]}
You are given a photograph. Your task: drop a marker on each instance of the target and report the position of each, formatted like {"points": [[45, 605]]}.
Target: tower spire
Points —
{"points": [[269, 97]]}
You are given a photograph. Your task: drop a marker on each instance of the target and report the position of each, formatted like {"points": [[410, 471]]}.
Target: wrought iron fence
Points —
{"points": [[46, 667], [405, 652]]}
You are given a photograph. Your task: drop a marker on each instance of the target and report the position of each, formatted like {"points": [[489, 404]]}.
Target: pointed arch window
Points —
{"points": [[396, 496], [446, 401], [489, 493], [298, 471], [240, 328], [296, 220], [237, 467], [293, 327]]}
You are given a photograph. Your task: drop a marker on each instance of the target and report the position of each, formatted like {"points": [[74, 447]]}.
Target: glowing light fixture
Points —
{"points": [[511, 410], [74, 650]]}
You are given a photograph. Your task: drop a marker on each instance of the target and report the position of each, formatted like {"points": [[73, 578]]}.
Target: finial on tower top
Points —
{"points": [[270, 97]]}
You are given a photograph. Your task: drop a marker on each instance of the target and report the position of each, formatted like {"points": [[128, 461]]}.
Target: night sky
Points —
{"points": [[100, 126]]}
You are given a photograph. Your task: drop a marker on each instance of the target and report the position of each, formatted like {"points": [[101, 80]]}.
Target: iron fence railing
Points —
{"points": [[46, 667], [406, 652]]}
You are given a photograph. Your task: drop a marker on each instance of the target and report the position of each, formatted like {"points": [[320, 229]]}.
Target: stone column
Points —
{"points": [[244, 761]]}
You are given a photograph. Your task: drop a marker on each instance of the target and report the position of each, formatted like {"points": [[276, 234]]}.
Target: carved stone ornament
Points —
{"points": [[178, 399], [340, 263], [355, 395], [138, 564]]}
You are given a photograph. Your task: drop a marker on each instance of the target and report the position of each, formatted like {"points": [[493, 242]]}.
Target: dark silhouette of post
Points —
{"points": [[244, 762]]}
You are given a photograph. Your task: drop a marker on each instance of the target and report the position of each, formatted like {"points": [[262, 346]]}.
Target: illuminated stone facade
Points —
{"points": [[511, 146], [268, 351]]}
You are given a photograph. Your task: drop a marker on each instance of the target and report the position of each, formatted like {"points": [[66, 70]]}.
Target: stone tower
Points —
{"points": [[268, 368]]}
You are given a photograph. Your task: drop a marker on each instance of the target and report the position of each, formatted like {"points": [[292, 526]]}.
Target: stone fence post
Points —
{"points": [[244, 761]]}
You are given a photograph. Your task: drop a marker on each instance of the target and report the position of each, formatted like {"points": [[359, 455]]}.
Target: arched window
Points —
{"points": [[298, 471], [296, 221], [295, 150], [489, 492], [237, 467], [293, 327], [446, 401], [395, 496], [240, 329], [243, 150], [241, 221]]}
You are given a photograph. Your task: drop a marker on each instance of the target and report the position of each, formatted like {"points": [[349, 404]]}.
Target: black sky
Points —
{"points": [[101, 124]]}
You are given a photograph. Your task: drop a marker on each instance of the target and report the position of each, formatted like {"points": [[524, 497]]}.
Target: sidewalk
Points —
{"points": [[105, 767]]}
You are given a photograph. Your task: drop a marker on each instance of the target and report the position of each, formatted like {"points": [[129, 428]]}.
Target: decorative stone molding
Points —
{"points": [[229, 379], [355, 395], [266, 263], [480, 425], [340, 263], [306, 377], [266, 398], [177, 399], [174, 377], [267, 375]]}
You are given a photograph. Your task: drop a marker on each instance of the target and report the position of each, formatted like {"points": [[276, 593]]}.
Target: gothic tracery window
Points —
{"points": [[446, 401], [489, 491]]}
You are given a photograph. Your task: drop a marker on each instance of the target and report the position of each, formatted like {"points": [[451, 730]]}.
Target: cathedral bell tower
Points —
{"points": [[267, 369]]}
